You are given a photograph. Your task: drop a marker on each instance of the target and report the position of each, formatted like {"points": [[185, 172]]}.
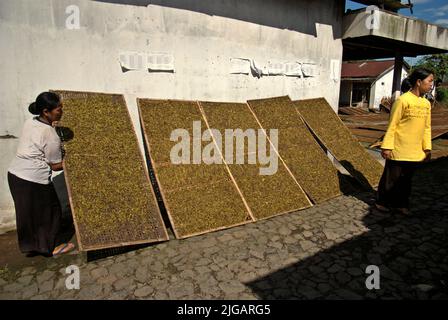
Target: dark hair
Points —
{"points": [[45, 100], [419, 74], [406, 85]]}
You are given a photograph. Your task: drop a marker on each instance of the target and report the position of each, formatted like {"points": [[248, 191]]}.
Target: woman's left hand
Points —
{"points": [[428, 155]]}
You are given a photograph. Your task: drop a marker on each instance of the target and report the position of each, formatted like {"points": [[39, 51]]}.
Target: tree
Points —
{"points": [[437, 63]]}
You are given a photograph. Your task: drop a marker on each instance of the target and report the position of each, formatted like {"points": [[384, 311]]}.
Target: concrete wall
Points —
{"points": [[40, 53], [382, 87]]}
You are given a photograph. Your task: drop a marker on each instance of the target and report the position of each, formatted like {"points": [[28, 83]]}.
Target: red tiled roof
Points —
{"points": [[365, 69]]}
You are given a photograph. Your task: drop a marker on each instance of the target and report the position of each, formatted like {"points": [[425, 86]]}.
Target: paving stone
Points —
{"points": [[13, 287], [122, 284], [2, 282], [118, 295], [223, 275], [211, 242], [215, 268], [247, 277], [108, 280], [90, 292], [99, 273], [46, 286], [330, 234], [203, 262], [41, 297], [257, 253], [141, 275], [225, 238], [28, 270], [187, 274], [355, 272], [342, 277], [306, 245], [374, 259], [438, 230], [307, 234], [335, 268], [179, 290], [30, 291], [332, 225], [424, 287], [323, 287], [25, 280], [309, 292], [143, 292], [44, 276], [389, 274], [232, 287], [157, 266], [284, 231], [440, 296]]}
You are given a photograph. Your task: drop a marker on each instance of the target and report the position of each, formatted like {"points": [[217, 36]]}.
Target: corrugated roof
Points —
{"points": [[365, 69]]}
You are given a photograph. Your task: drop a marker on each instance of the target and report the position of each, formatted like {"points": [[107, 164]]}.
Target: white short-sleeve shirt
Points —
{"points": [[38, 147]]}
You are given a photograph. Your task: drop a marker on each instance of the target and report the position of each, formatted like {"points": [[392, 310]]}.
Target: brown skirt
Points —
{"points": [[38, 215]]}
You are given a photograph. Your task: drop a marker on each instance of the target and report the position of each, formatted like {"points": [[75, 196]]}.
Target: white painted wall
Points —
{"points": [[40, 53], [382, 87]]}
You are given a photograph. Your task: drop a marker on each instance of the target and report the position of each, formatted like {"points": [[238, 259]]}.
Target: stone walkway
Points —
{"points": [[318, 253]]}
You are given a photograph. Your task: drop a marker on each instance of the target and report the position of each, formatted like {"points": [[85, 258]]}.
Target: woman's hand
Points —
{"points": [[55, 124], [427, 155], [386, 154], [56, 166]]}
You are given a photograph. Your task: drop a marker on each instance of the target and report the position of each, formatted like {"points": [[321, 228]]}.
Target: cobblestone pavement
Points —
{"points": [[318, 253]]}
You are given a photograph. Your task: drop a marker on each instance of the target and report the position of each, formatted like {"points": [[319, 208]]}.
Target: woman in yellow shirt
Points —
{"points": [[407, 142]]}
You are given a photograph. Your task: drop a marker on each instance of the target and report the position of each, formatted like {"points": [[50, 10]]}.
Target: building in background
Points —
{"points": [[365, 83]]}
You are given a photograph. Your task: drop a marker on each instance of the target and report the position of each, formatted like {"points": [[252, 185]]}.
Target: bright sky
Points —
{"points": [[433, 11]]}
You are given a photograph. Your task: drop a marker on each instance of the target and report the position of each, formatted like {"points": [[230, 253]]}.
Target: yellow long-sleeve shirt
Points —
{"points": [[409, 130]]}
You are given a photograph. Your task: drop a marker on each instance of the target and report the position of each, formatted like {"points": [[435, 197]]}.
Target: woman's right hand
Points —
{"points": [[386, 154]]}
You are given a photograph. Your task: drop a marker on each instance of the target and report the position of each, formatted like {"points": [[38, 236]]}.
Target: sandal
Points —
{"points": [[64, 248]]}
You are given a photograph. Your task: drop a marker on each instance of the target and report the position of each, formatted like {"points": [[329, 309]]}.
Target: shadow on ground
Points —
{"points": [[410, 251]]}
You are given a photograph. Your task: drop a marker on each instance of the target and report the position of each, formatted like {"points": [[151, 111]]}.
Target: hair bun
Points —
{"points": [[33, 108]]}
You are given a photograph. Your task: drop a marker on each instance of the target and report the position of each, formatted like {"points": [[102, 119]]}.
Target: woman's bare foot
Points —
{"points": [[63, 248]]}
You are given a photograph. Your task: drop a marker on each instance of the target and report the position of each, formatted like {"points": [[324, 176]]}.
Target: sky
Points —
{"points": [[433, 11]]}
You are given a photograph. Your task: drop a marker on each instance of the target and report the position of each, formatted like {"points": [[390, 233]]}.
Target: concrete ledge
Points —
{"points": [[395, 27]]}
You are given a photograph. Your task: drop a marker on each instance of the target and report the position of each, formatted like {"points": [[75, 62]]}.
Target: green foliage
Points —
{"points": [[437, 63], [442, 95]]}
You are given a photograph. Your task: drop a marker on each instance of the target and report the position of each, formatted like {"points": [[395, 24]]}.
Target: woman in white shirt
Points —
{"points": [[38, 211]]}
